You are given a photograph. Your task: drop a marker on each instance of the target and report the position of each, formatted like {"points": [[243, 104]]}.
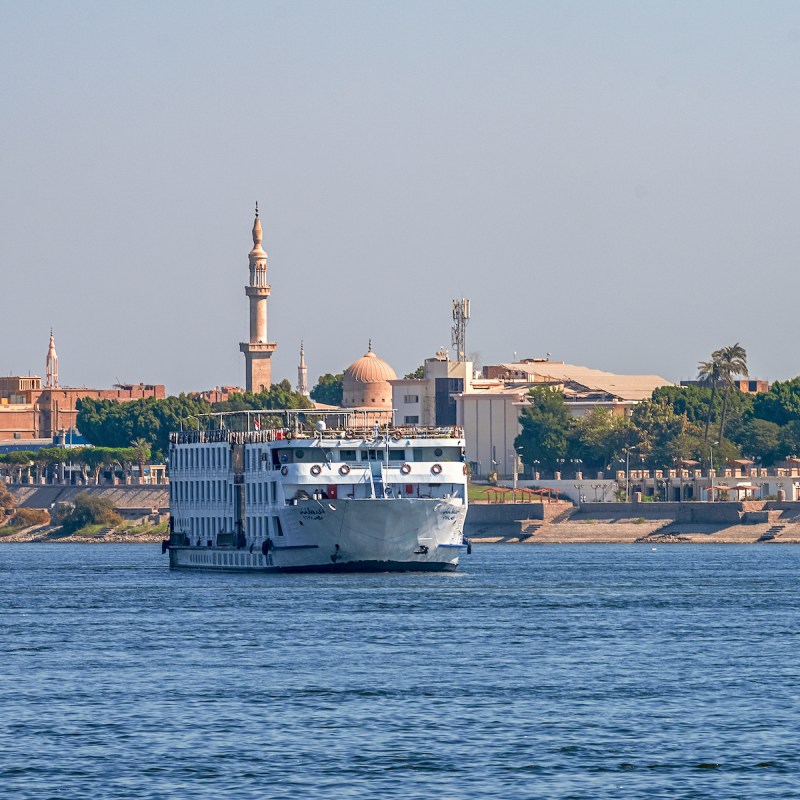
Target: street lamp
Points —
{"points": [[516, 456], [628, 474], [711, 471]]}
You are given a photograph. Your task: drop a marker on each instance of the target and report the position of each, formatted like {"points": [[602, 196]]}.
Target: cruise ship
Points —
{"points": [[259, 491]]}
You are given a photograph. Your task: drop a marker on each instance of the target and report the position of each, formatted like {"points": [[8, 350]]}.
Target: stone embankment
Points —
{"points": [[50, 533], [620, 523], [124, 498], [528, 523], [147, 505]]}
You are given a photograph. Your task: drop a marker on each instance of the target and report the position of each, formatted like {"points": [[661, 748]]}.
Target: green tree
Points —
{"points": [[546, 427], [141, 454], [18, 461], [601, 437], [709, 374], [48, 457], [278, 396], [664, 436], [329, 389], [781, 404], [418, 373], [694, 402], [108, 423], [732, 361], [89, 510], [789, 440], [95, 459], [760, 438], [6, 502]]}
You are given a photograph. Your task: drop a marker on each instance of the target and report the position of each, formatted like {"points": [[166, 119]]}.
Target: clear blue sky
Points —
{"points": [[615, 183]]}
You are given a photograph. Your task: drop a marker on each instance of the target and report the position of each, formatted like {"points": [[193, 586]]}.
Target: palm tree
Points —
{"points": [[708, 373], [732, 361], [141, 452]]}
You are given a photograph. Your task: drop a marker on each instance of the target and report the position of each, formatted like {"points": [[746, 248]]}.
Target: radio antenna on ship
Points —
{"points": [[459, 330]]}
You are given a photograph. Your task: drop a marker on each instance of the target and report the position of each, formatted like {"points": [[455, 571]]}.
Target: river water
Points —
{"points": [[533, 672]]}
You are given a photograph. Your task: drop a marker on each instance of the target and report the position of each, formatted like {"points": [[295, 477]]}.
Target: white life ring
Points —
{"points": [[436, 469], [344, 469], [284, 470], [316, 469], [405, 469]]}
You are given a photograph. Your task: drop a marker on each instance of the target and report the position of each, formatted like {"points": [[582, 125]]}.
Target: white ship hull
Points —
{"points": [[325, 500], [346, 535]]}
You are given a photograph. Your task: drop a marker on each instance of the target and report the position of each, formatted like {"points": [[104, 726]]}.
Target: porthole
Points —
{"points": [[438, 452], [299, 453]]}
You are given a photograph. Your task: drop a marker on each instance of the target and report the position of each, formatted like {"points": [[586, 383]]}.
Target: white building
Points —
{"points": [[433, 399]]}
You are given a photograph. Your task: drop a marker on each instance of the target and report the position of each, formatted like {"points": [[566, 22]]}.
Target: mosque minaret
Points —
{"points": [[51, 365], [258, 351], [302, 373]]}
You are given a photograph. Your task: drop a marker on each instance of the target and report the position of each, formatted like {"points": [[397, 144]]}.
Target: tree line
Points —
{"points": [[92, 461], [712, 419], [109, 423]]}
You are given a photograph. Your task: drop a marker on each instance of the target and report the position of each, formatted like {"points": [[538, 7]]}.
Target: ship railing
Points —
{"points": [[394, 434]]}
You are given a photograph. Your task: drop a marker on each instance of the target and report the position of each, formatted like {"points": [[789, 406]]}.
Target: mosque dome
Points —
{"points": [[366, 382]]}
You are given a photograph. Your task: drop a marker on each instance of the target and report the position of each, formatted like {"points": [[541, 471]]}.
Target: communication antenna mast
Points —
{"points": [[460, 318]]}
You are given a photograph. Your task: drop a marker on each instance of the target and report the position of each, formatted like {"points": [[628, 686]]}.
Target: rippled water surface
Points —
{"points": [[568, 672]]}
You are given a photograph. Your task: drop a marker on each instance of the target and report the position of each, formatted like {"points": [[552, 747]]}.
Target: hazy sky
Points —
{"points": [[615, 183]]}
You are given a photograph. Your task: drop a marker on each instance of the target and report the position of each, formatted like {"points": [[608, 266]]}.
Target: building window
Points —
{"points": [[411, 398], [411, 420]]}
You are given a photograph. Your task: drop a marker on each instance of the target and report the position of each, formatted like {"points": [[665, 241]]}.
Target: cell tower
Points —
{"points": [[460, 319]]}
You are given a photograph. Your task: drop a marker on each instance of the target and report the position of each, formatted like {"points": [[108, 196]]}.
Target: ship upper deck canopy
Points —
{"points": [[245, 427]]}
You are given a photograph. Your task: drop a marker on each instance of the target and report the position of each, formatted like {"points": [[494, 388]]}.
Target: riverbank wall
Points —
{"points": [[596, 523], [529, 523]]}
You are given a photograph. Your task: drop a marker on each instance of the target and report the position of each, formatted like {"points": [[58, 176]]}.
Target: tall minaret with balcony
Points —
{"points": [[302, 373], [258, 351], [51, 365]]}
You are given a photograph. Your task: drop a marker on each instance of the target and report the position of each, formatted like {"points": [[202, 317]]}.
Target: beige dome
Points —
{"points": [[366, 383], [369, 369]]}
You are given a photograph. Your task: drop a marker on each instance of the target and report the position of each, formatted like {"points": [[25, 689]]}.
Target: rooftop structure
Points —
{"points": [[634, 388]]}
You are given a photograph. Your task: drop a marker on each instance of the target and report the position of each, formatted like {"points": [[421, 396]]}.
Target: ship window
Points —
{"points": [[438, 452], [364, 455], [278, 526], [347, 455], [397, 455], [299, 453]]}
